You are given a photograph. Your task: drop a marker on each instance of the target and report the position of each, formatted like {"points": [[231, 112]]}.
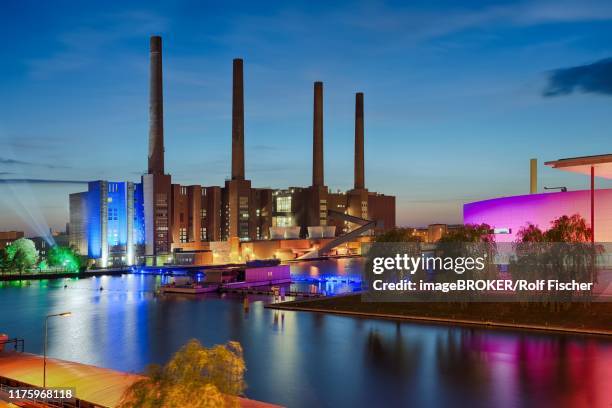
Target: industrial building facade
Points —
{"points": [[125, 223]]}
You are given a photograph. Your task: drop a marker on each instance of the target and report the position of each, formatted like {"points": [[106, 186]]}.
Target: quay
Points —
{"points": [[61, 275], [93, 386], [269, 292]]}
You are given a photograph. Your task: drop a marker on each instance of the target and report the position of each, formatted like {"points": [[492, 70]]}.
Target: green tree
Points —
{"points": [[195, 376], [65, 257], [3, 259], [21, 255]]}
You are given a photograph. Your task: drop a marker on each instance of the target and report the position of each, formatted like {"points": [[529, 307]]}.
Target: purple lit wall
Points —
{"points": [[540, 209]]}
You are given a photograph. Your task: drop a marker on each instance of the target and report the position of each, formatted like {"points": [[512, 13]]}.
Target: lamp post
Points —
{"points": [[64, 314]]}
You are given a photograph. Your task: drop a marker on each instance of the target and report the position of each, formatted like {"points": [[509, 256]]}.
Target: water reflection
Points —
{"points": [[332, 276], [311, 359]]}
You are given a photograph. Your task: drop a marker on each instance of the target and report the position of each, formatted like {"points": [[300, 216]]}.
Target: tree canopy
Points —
{"points": [[562, 252], [20, 255], [65, 257], [398, 235], [570, 229], [469, 233], [195, 376]]}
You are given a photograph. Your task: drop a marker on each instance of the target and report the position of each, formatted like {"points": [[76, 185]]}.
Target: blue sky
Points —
{"points": [[458, 96]]}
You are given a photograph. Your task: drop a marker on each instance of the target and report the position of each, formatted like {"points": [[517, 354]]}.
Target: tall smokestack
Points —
{"points": [[533, 176], [156, 109], [317, 136], [359, 162], [238, 122]]}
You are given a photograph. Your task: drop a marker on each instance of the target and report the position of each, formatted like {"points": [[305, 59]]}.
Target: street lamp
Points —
{"points": [[64, 314]]}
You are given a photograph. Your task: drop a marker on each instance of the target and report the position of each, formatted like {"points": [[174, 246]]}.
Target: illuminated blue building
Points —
{"points": [[108, 221]]}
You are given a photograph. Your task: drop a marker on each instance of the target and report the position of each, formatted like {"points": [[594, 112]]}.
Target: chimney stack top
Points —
{"points": [[156, 41]]}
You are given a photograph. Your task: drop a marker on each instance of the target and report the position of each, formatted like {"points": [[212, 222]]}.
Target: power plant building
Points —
{"points": [[127, 223]]}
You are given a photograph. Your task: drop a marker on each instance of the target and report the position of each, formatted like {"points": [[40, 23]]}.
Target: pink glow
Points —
{"points": [[540, 209]]}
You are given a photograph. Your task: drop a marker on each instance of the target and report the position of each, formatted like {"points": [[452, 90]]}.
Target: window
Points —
{"points": [[183, 190], [112, 214], [364, 209], [283, 204], [161, 199], [182, 235], [203, 236], [282, 221], [323, 211]]}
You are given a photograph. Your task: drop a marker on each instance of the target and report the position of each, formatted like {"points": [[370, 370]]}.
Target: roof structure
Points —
{"points": [[601, 163]]}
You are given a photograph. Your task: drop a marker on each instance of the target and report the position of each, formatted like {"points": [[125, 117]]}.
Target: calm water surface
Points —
{"points": [[308, 359]]}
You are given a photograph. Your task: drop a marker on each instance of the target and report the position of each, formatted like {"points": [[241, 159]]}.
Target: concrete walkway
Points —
{"points": [[100, 386]]}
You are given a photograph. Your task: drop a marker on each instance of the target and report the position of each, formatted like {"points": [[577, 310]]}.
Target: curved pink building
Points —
{"points": [[508, 214]]}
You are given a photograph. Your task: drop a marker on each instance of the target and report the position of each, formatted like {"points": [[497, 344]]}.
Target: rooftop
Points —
{"points": [[602, 164]]}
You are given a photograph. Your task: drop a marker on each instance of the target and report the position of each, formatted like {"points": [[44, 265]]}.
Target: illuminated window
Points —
{"points": [[364, 209], [183, 235], [282, 221], [283, 204]]}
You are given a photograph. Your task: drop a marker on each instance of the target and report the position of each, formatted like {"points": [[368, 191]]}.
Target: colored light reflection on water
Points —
{"points": [[311, 359], [332, 276]]}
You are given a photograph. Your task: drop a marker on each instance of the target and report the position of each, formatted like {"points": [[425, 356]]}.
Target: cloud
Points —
{"points": [[591, 78], [15, 162], [40, 181]]}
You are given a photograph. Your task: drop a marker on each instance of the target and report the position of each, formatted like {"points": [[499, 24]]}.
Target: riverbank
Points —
{"points": [[593, 318], [61, 275]]}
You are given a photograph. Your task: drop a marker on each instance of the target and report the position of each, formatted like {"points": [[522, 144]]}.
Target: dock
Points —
{"points": [[189, 289], [93, 386], [268, 292]]}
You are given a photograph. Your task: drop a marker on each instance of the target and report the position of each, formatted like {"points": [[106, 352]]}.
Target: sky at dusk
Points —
{"points": [[458, 96]]}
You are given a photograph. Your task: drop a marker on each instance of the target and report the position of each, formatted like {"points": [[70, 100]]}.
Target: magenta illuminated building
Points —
{"points": [[507, 215]]}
